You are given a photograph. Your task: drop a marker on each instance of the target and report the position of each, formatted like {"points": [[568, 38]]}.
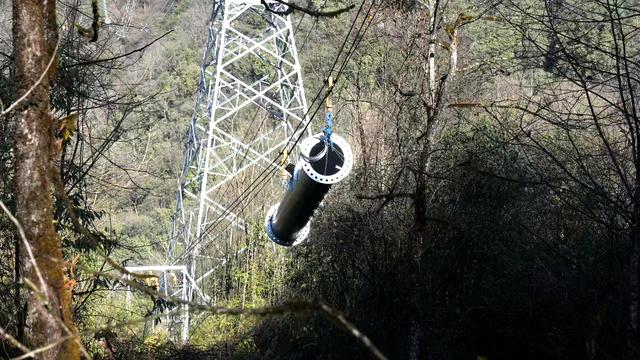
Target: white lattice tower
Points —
{"points": [[249, 102], [176, 284]]}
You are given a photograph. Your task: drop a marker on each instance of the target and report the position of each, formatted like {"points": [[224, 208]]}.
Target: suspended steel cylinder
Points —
{"points": [[320, 166]]}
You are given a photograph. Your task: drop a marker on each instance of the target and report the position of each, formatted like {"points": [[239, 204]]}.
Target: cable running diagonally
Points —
{"points": [[261, 181]]}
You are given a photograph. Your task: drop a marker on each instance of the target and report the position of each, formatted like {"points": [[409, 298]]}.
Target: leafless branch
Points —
{"points": [[43, 284], [13, 341], [90, 240], [54, 56], [99, 61], [353, 330], [316, 13]]}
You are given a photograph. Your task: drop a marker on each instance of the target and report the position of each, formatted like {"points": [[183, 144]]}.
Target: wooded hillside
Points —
{"points": [[492, 212]]}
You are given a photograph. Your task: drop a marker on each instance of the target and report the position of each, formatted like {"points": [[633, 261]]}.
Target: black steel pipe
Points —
{"points": [[320, 166]]}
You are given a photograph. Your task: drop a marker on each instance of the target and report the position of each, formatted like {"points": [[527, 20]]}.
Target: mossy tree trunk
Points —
{"points": [[49, 314]]}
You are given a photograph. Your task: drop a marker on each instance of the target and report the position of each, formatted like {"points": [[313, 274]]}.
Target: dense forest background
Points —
{"points": [[493, 211]]}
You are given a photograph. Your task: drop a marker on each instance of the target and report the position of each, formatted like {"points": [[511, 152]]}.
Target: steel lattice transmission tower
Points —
{"points": [[249, 102]]}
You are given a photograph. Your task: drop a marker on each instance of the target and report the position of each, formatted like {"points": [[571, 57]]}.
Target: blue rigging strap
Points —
{"points": [[328, 129], [328, 119]]}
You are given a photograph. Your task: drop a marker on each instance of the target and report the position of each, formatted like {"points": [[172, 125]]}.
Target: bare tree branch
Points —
{"points": [[13, 341], [37, 83], [306, 10], [32, 259], [99, 61]]}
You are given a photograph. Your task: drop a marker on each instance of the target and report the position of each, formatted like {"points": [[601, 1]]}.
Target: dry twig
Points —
{"points": [[54, 56]]}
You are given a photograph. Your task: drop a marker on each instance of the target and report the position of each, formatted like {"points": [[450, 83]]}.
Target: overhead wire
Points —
{"points": [[358, 37], [350, 52], [262, 179]]}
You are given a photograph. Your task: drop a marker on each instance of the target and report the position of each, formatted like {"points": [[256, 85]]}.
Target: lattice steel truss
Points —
{"points": [[176, 283], [249, 102]]}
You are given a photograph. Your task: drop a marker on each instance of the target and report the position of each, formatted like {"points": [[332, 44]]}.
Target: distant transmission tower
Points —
{"points": [[249, 102]]}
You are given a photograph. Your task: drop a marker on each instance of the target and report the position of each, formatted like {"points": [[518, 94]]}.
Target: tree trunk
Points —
{"points": [[49, 314]]}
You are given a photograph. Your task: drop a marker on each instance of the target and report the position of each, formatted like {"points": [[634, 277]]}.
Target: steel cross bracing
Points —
{"points": [[249, 102], [173, 286]]}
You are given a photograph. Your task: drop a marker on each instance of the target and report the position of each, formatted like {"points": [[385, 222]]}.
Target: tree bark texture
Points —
{"points": [[49, 314]]}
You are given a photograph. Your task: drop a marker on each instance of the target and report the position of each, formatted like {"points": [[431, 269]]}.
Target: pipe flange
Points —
{"points": [[343, 147], [268, 225]]}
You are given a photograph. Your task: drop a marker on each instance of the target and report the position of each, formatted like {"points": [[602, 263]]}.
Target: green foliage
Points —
{"points": [[517, 259]]}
